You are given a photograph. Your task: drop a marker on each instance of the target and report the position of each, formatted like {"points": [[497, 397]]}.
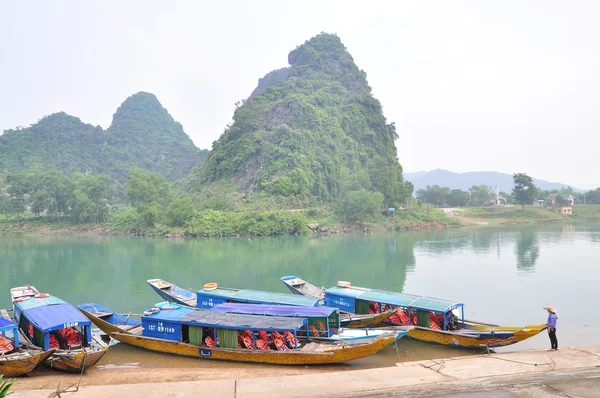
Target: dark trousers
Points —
{"points": [[553, 339]]}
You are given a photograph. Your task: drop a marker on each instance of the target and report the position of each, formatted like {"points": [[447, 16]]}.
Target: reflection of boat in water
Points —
{"points": [[51, 323], [17, 357], [323, 322], [212, 295], [174, 329], [434, 320]]}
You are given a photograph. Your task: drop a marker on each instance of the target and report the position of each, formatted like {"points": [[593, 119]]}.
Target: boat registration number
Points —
{"points": [[205, 353], [161, 328], [70, 324]]}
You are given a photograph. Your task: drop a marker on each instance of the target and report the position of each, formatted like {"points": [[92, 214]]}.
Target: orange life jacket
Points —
{"points": [[6, 345]]}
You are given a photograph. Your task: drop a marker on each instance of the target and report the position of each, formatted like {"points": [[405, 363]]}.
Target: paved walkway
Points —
{"points": [[568, 372]]}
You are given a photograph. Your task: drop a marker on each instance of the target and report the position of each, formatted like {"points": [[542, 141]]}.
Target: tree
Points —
{"points": [[180, 210], [457, 198], [525, 191], [480, 195], [360, 205], [91, 197], [592, 197], [433, 194], [149, 194]]}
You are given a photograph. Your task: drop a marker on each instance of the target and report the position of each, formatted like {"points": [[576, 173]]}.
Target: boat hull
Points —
{"points": [[257, 356], [499, 337], [22, 366], [76, 362], [290, 357]]}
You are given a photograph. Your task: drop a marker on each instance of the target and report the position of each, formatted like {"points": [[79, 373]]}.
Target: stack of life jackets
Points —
{"points": [[69, 336], [6, 345]]}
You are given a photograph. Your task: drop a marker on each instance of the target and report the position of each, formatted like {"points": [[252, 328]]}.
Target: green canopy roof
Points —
{"points": [[393, 298]]}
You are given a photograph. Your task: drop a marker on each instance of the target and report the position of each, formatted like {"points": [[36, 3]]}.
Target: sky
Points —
{"points": [[509, 86]]}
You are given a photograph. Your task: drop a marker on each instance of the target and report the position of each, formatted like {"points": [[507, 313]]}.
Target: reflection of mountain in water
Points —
{"points": [[527, 250]]}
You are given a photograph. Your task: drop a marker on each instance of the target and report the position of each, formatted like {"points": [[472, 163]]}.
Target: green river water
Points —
{"points": [[503, 275]]}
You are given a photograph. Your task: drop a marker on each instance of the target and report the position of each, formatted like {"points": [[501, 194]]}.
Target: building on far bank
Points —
{"points": [[565, 210], [551, 199]]}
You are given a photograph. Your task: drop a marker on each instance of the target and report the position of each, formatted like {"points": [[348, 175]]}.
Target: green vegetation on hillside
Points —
{"points": [[54, 197], [142, 134], [310, 131]]}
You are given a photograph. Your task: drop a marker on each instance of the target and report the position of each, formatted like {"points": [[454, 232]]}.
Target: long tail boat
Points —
{"points": [[48, 322], [435, 320], [174, 329], [212, 294], [17, 357]]}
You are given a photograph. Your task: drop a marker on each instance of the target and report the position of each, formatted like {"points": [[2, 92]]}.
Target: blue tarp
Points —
{"points": [[53, 317], [274, 310], [196, 317]]}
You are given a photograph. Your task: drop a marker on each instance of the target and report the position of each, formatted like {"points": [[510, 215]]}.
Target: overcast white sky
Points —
{"points": [[510, 86]]}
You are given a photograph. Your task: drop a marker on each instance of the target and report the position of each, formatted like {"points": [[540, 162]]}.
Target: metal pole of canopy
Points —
{"points": [[462, 313]]}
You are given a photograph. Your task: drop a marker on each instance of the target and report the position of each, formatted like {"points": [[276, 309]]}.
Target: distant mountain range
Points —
{"points": [[463, 181]]}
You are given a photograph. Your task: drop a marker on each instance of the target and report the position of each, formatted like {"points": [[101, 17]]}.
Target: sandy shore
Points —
{"points": [[569, 372], [49, 379]]}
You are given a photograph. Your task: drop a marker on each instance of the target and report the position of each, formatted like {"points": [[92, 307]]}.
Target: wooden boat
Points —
{"points": [[212, 295], [17, 357], [435, 320], [323, 322], [48, 322], [185, 331]]}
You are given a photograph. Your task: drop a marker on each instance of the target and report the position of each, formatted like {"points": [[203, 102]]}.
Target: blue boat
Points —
{"points": [[17, 357], [323, 322], [51, 323], [174, 329], [211, 294], [435, 320]]}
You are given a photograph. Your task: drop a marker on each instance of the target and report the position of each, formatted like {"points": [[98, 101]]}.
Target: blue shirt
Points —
{"points": [[552, 320]]}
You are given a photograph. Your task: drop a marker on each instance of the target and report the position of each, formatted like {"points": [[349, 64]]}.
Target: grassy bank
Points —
{"points": [[528, 215], [215, 223]]}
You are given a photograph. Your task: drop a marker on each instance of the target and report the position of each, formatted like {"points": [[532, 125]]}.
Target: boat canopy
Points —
{"points": [[34, 302], [9, 326], [192, 317], [345, 297], [54, 317], [275, 310], [210, 298]]}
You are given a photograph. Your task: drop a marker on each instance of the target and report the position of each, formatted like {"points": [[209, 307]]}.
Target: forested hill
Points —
{"points": [[142, 134], [312, 129]]}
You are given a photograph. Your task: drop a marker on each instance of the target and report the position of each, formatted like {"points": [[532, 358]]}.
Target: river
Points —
{"points": [[504, 275]]}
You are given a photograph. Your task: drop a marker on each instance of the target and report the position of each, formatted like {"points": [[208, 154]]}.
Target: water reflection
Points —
{"points": [[527, 251]]}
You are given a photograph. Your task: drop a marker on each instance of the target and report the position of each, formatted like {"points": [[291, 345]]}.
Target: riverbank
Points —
{"points": [[514, 215], [236, 224], [567, 372]]}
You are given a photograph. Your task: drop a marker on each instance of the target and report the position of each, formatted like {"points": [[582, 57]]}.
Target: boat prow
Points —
{"points": [[173, 293], [20, 357], [303, 288]]}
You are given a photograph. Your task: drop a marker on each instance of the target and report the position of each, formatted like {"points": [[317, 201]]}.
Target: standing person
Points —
{"points": [[552, 320]]}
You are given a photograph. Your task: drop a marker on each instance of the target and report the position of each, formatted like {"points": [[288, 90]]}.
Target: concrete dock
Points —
{"points": [[569, 372]]}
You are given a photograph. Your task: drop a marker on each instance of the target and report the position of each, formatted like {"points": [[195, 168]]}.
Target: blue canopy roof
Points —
{"points": [[5, 323], [198, 317], [259, 297], [275, 310], [393, 298], [52, 317]]}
